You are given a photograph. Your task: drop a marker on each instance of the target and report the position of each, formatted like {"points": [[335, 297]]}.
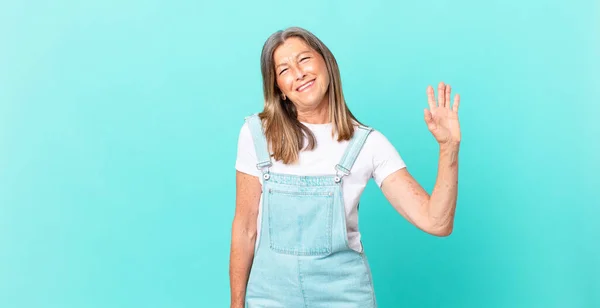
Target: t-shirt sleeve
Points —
{"points": [[246, 155], [386, 159]]}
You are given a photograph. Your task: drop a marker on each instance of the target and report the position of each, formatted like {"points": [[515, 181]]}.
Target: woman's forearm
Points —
{"points": [[241, 256], [442, 203]]}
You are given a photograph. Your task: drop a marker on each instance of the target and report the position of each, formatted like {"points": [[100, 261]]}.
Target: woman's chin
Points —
{"points": [[313, 100]]}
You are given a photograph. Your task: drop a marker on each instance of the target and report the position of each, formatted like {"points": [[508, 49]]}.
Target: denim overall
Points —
{"points": [[302, 258]]}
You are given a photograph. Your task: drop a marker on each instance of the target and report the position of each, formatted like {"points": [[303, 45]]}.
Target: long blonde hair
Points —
{"points": [[284, 132]]}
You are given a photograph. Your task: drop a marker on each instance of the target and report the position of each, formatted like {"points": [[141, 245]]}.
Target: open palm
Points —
{"points": [[441, 119]]}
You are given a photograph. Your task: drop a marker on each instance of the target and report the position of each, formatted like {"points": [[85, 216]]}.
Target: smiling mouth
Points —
{"points": [[305, 86]]}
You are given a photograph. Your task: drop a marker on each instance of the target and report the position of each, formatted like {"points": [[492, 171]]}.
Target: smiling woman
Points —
{"points": [[302, 164], [299, 68], [301, 82]]}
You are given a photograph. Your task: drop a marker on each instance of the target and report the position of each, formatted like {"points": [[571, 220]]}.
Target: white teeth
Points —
{"points": [[305, 86]]}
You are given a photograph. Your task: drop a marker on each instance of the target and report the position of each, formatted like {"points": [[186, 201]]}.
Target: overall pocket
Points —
{"points": [[300, 222]]}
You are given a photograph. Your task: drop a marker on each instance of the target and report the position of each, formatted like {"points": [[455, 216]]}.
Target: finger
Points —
{"points": [[456, 103], [447, 96], [441, 92], [429, 119], [430, 97]]}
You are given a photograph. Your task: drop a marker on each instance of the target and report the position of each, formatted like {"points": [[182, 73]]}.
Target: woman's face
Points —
{"points": [[301, 74]]}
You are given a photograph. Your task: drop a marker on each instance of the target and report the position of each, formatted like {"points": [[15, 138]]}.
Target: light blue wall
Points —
{"points": [[119, 122]]}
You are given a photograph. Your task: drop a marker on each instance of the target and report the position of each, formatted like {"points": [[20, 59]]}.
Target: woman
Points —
{"points": [[302, 165]]}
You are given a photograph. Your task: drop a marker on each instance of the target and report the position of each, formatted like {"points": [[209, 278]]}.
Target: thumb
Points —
{"points": [[429, 119]]}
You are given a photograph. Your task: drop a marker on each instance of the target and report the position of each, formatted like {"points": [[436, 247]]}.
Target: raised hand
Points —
{"points": [[441, 119]]}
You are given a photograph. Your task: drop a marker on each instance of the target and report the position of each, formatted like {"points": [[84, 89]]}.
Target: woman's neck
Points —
{"points": [[317, 115]]}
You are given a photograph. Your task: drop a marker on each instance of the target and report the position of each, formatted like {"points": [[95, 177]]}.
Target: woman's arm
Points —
{"points": [[433, 214], [243, 235]]}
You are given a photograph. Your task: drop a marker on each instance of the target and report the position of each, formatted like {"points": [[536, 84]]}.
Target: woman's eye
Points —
{"points": [[305, 58], [283, 70]]}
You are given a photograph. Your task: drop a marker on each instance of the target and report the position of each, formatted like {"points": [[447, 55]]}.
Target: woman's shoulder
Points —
{"points": [[251, 121], [244, 133], [251, 128], [244, 128], [377, 142], [374, 135], [248, 120]]}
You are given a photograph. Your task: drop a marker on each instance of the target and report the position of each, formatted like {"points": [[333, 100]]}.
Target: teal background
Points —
{"points": [[119, 123]]}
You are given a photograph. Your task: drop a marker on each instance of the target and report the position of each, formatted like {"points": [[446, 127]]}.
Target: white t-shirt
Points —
{"points": [[377, 159]]}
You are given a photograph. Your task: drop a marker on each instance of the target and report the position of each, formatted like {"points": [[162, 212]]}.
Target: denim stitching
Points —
{"points": [[301, 284], [260, 142], [303, 181], [368, 269], [344, 222], [329, 225], [354, 147], [328, 228]]}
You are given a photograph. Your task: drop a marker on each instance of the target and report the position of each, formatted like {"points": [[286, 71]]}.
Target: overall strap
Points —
{"points": [[260, 142], [354, 146]]}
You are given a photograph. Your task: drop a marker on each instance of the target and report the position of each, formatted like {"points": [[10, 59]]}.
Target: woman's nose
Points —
{"points": [[300, 74]]}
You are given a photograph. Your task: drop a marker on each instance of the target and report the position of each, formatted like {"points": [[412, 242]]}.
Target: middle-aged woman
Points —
{"points": [[302, 165]]}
